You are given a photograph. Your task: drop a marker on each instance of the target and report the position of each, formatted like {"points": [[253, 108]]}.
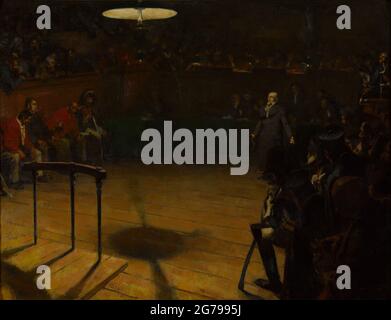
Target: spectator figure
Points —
{"points": [[18, 148], [91, 134], [271, 131], [64, 128], [12, 73], [34, 57], [329, 111], [235, 111], [37, 128], [248, 106], [49, 68], [381, 76], [75, 63]]}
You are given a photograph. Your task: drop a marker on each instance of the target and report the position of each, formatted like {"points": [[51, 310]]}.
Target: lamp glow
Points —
{"points": [[139, 14]]}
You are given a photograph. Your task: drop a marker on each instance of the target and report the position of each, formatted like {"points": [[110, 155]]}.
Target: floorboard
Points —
{"points": [[182, 231]]}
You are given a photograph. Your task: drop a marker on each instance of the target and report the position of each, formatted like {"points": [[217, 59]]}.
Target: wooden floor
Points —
{"points": [[183, 230], [75, 274]]}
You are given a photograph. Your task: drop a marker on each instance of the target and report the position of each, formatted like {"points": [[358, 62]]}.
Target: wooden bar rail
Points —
{"points": [[70, 169]]}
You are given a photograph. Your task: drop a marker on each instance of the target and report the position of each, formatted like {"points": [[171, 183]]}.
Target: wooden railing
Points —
{"points": [[70, 169]]}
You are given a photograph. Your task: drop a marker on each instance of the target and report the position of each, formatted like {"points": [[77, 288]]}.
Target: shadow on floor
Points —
{"points": [[147, 243], [75, 292], [22, 284], [10, 252], [150, 244]]}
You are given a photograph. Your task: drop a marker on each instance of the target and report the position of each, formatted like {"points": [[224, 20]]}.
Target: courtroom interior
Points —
{"points": [[76, 196]]}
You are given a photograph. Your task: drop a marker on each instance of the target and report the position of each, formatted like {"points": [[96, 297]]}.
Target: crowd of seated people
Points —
{"points": [[72, 133], [243, 107], [375, 83], [35, 57], [187, 57], [247, 106], [293, 61], [332, 209], [32, 58]]}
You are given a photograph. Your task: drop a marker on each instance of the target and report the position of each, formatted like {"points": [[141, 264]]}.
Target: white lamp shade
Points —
{"points": [[140, 13]]}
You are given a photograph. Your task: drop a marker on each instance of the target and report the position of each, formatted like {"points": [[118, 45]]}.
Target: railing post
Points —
{"points": [[35, 217], [71, 169], [99, 209], [72, 189]]}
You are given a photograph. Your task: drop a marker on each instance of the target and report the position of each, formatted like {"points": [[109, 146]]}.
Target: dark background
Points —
{"points": [[144, 81]]}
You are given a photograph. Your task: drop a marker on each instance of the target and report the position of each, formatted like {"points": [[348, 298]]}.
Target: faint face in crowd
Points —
{"points": [[295, 89], [344, 119], [33, 107], [34, 44], [365, 131], [74, 107], [272, 98], [111, 53], [90, 100], [247, 96], [235, 99], [18, 44], [14, 64], [383, 57], [52, 61], [365, 78], [321, 95], [324, 104]]}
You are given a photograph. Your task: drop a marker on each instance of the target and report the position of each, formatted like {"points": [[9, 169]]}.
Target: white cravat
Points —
{"points": [[22, 132], [267, 109]]}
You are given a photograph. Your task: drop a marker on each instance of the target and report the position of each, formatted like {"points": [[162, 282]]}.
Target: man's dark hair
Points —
{"points": [[86, 94]]}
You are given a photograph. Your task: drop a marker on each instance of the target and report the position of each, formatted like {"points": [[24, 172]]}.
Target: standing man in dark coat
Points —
{"points": [[269, 135]]}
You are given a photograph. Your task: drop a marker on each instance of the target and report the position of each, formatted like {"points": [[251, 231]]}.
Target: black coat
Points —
{"points": [[37, 129], [272, 131]]}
